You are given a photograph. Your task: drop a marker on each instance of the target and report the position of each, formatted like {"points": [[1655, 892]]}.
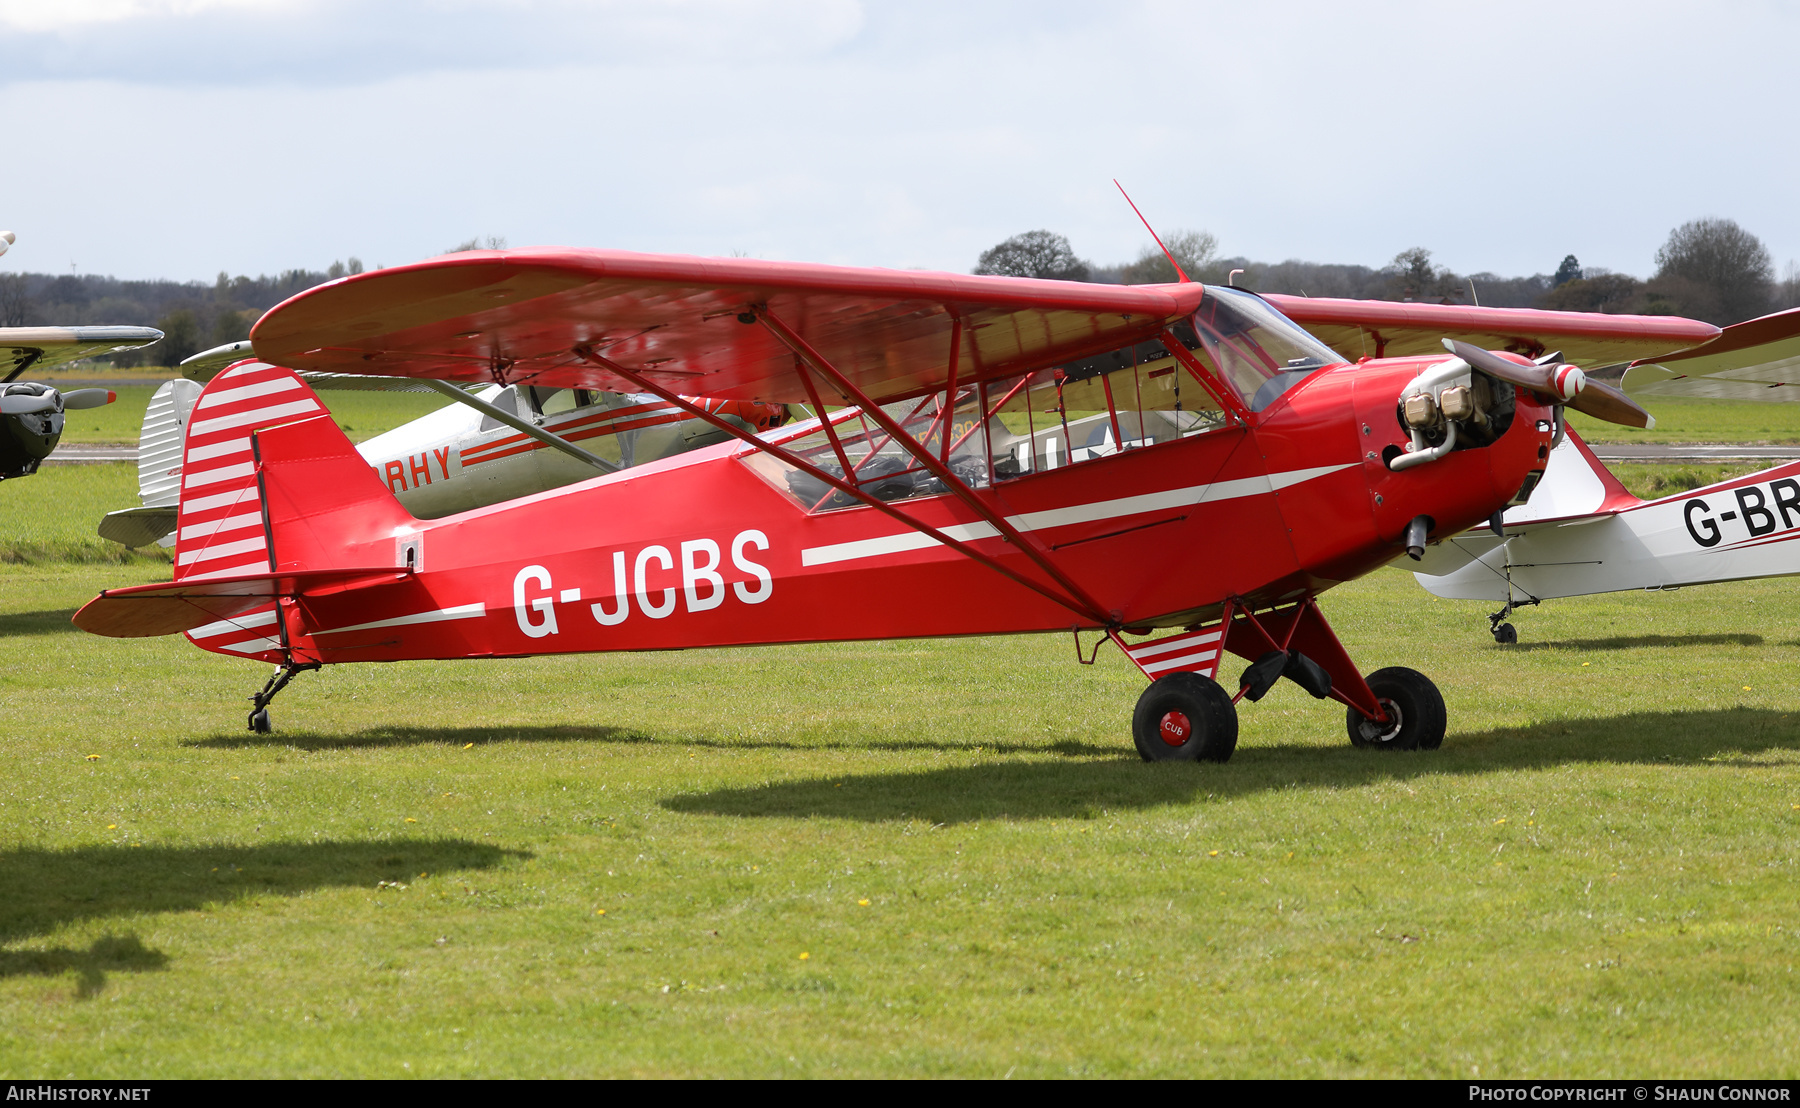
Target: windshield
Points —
{"points": [[1255, 349]]}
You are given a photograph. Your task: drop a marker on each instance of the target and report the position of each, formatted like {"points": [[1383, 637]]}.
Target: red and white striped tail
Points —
{"points": [[220, 528], [1192, 652]]}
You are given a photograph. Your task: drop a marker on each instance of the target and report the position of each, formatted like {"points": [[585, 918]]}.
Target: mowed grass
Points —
{"points": [[53, 515], [658, 864], [362, 415], [1718, 421], [1655, 480], [908, 858]]}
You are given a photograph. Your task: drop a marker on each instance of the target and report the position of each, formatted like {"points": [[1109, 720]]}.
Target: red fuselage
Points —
{"points": [[703, 550]]}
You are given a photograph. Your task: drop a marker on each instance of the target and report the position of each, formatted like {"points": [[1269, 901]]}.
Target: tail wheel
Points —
{"points": [[1184, 717], [1415, 708]]}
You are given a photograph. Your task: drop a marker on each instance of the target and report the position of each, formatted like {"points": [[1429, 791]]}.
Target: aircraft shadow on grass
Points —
{"points": [[1042, 789], [376, 737], [55, 622], [1631, 642], [110, 953], [48, 888], [481, 736]]}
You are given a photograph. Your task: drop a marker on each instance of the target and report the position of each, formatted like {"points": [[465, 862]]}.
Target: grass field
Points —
{"points": [[909, 858], [1720, 421], [51, 516]]}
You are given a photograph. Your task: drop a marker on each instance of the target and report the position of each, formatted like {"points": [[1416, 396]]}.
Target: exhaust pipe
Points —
{"points": [[1416, 533]]}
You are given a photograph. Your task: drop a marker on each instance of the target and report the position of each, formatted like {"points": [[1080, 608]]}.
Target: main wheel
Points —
{"points": [[259, 721], [1415, 708], [1505, 634], [1184, 717]]}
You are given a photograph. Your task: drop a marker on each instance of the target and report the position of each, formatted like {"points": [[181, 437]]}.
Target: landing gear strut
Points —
{"points": [[1505, 632], [259, 715]]}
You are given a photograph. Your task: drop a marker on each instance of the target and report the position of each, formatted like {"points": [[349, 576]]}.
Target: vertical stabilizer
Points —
{"points": [[160, 442], [221, 529], [325, 507], [1575, 483]]}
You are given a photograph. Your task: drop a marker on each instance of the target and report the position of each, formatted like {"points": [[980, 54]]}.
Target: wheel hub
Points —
{"points": [[1176, 729], [1388, 732]]}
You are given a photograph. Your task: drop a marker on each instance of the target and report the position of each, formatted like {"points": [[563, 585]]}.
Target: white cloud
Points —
{"points": [[62, 15], [326, 42], [910, 134]]}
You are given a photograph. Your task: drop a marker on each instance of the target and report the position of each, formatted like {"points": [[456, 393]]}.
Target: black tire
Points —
{"points": [[1185, 698], [259, 721], [1506, 634], [1414, 702]]}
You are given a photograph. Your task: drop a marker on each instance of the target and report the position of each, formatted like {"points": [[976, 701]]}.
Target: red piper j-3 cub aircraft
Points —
{"points": [[1179, 467]]}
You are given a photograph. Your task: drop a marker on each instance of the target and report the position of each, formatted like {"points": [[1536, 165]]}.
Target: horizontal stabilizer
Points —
{"points": [[138, 526], [170, 607]]}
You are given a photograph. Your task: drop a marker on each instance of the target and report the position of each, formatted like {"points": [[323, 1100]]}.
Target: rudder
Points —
{"points": [[262, 465], [220, 530]]}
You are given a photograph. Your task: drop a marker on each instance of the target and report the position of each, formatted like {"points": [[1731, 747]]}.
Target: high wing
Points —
{"points": [[207, 364], [23, 348], [1758, 359], [1386, 329], [688, 323]]}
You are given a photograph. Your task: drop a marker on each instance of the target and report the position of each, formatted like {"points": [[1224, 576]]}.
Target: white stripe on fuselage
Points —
{"points": [[236, 623], [461, 611], [1063, 517]]}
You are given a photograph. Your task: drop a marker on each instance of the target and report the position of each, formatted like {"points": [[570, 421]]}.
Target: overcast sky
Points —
{"points": [[178, 138]]}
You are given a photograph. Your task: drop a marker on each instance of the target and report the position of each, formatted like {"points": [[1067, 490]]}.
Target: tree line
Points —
{"points": [[192, 315], [1710, 269]]}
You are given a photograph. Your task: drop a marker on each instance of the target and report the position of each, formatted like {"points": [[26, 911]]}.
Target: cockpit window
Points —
{"points": [[1258, 351], [555, 401]]}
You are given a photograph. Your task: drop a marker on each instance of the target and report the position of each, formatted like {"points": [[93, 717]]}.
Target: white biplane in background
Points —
{"points": [[1582, 533], [31, 412]]}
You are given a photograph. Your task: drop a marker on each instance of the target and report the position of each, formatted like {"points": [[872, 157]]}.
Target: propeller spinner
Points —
{"points": [[1559, 384]]}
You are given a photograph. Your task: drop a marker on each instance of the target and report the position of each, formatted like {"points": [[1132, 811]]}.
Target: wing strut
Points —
{"points": [[1080, 607], [937, 469], [554, 441]]}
